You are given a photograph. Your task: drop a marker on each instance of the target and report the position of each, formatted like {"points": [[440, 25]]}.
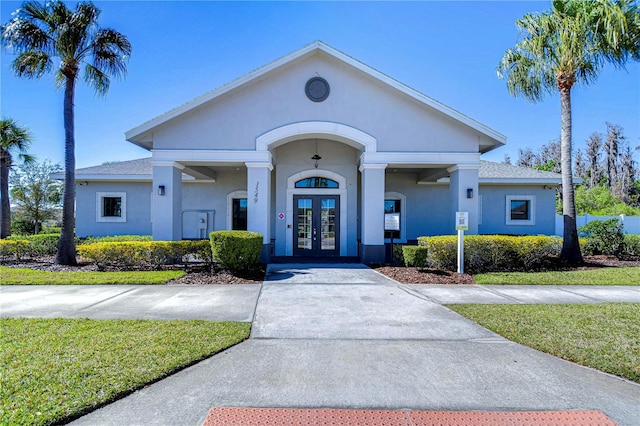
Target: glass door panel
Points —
{"points": [[305, 223], [316, 225], [328, 224]]}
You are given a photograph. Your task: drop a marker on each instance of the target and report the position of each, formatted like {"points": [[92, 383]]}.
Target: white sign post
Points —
{"points": [[462, 224]]}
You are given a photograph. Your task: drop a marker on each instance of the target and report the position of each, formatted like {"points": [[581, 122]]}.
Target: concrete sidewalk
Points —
{"points": [[372, 344], [212, 303]]}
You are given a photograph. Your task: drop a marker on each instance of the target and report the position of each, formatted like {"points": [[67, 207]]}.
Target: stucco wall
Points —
{"points": [[427, 206], [211, 198], [494, 217], [138, 216], [398, 122]]}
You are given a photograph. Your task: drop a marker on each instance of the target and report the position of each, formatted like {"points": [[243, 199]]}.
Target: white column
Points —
{"points": [[463, 179], [372, 213], [167, 208], [259, 202]]}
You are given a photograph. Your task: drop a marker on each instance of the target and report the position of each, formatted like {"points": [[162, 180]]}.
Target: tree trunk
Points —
{"points": [[570, 246], [66, 254], [5, 213]]}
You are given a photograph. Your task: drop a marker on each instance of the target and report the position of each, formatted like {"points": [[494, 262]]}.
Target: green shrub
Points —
{"points": [[236, 250], [13, 248], [415, 256], [604, 237], [155, 253], [23, 227], [51, 230], [117, 238], [632, 245], [39, 244], [485, 253]]}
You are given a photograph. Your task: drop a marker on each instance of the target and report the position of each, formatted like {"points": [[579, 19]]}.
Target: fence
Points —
{"points": [[631, 223]]}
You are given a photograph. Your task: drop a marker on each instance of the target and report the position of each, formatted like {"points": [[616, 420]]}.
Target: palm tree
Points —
{"points": [[12, 138], [38, 33], [559, 48]]}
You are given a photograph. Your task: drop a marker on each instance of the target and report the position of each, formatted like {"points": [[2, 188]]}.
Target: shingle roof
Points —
{"points": [[141, 166], [489, 172]]}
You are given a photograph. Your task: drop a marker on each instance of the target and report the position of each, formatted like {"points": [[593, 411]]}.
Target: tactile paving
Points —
{"points": [[219, 416]]}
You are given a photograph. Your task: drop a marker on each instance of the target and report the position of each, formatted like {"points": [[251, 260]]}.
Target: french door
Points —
{"points": [[316, 225]]}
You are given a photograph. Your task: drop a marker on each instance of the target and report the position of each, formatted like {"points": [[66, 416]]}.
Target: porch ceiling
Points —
{"points": [[424, 173]]}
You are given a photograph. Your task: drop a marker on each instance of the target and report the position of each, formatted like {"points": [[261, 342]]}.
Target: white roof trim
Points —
{"points": [[136, 132]]}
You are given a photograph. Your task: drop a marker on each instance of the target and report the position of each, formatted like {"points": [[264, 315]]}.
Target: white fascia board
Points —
{"points": [[210, 155], [100, 177], [519, 181], [319, 46], [417, 158]]}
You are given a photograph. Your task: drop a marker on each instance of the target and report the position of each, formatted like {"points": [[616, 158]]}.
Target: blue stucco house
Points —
{"points": [[314, 151]]}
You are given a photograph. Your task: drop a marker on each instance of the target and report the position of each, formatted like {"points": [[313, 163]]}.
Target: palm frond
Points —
{"points": [[13, 136], [32, 64], [111, 51], [97, 79], [22, 35]]}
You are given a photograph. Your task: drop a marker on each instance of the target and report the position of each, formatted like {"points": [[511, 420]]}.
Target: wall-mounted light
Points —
{"points": [[84, 183], [469, 192], [161, 190]]}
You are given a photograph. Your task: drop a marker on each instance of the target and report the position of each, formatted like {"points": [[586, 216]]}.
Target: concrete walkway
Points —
{"points": [[351, 338], [212, 303]]}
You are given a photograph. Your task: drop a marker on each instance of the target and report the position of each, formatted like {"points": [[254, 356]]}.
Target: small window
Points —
{"points": [[239, 214], [316, 182], [392, 206], [111, 207], [520, 210]]}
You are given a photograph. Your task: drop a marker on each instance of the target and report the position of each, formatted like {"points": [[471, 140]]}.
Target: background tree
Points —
{"points": [[593, 154], [559, 48], [38, 33], [13, 139], [36, 195]]}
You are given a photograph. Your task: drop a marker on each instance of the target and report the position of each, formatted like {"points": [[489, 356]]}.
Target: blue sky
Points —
{"points": [[447, 50]]}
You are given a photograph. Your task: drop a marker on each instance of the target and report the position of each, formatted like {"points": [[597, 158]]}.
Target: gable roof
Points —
{"points": [[489, 173], [142, 135]]}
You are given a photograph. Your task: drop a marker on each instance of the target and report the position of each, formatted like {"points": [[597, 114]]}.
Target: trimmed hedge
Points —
{"points": [[415, 256], [604, 237], [632, 245], [13, 248], [39, 244], [236, 250], [116, 238], [487, 253], [156, 253]]}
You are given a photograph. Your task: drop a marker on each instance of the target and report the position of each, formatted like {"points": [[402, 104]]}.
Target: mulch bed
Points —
{"points": [[199, 274]]}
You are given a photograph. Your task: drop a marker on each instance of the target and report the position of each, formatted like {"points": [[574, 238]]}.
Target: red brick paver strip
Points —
{"points": [[229, 416]]}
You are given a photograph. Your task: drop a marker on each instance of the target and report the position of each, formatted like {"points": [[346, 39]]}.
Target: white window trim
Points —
{"points": [[123, 207], [403, 215], [241, 193], [532, 210]]}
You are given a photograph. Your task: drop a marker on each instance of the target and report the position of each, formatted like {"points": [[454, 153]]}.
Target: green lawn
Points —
{"points": [[603, 336], [56, 369], [602, 276], [10, 276]]}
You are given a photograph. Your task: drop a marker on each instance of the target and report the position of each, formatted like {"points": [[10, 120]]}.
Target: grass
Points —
{"points": [[12, 276], [602, 336], [603, 276], [54, 370]]}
